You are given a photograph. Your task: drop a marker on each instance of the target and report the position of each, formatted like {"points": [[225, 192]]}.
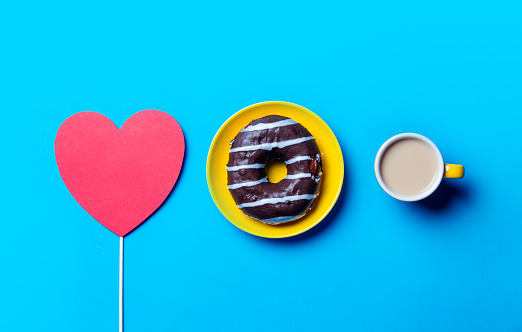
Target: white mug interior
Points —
{"points": [[434, 185]]}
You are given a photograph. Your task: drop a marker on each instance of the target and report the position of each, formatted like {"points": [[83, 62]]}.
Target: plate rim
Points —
{"points": [[214, 195]]}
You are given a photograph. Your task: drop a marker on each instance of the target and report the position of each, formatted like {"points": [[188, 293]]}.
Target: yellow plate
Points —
{"points": [[332, 178]]}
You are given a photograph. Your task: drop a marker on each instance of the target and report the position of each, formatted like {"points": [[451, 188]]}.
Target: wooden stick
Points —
{"points": [[121, 283]]}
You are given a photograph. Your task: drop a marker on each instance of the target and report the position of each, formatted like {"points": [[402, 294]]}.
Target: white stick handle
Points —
{"points": [[121, 283]]}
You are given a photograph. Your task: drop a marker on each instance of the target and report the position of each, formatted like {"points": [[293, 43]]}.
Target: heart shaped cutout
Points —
{"points": [[120, 177]]}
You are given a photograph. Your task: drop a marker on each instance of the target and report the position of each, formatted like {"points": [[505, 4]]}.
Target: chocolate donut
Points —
{"points": [[279, 138]]}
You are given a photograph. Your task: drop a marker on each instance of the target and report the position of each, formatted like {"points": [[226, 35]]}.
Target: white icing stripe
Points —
{"points": [[270, 146], [237, 168], [296, 159], [290, 161], [276, 200], [261, 126], [298, 176], [279, 220], [246, 184]]}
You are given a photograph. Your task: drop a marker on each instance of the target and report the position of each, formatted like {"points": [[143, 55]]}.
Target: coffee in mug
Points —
{"points": [[409, 167]]}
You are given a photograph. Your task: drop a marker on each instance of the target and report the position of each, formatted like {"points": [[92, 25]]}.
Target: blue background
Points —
{"points": [[449, 70]]}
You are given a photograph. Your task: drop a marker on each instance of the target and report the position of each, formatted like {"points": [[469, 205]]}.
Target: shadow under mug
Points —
{"points": [[443, 170]]}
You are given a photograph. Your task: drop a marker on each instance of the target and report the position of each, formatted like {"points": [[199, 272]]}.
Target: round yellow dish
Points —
{"points": [[331, 182]]}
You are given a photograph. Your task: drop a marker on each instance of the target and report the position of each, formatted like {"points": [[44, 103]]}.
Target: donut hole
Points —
{"points": [[275, 170]]}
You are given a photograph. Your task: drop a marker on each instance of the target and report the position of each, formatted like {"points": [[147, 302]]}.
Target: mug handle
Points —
{"points": [[453, 171]]}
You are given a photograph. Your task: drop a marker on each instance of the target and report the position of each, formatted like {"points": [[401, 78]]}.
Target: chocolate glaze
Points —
{"points": [[311, 168]]}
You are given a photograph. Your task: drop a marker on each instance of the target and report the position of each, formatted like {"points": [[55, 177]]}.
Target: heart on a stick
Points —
{"points": [[120, 177]]}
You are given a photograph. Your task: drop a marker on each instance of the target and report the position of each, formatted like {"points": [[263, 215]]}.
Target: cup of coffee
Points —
{"points": [[409, 167]]}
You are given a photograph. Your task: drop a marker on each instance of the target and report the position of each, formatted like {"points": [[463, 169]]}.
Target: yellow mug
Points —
{"points": [[442, 169]]}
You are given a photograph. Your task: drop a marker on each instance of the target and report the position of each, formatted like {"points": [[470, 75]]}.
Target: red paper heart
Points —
{"points": [[120, 177]]}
